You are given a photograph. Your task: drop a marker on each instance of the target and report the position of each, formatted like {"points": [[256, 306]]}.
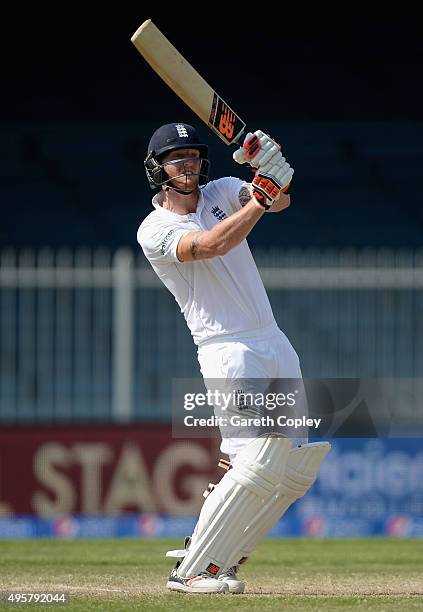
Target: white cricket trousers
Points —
{"points": [[254, 356]]}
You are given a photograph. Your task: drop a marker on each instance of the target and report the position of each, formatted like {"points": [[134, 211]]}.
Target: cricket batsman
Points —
{"points": [[195, 240]]}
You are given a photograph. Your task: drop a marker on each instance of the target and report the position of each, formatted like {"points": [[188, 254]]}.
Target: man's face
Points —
{"points": [[185, 164]]}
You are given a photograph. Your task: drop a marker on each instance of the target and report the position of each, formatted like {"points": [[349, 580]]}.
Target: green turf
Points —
{"points": [[294, 574]]}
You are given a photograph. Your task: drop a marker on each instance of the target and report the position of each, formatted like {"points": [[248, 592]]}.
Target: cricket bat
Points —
{"points": [[185, 81]]}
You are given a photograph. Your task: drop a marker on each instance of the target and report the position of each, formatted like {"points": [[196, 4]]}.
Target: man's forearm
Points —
{"points": [[225, 235]]}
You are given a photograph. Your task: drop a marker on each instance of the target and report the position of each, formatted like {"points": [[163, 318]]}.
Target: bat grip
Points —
{"points": [[238, 136]]}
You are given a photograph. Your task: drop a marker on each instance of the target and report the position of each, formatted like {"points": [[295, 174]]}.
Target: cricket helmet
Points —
{"points": [[171, 137]]}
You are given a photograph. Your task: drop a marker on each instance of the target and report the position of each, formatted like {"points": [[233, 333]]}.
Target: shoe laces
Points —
{"points": [[230, 572]]}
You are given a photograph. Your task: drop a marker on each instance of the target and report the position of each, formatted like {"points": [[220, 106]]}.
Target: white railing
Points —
{"points": [[91, 335]]}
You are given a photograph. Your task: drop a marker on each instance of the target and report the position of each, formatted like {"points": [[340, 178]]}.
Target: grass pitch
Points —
{"points": [[294, 574]]}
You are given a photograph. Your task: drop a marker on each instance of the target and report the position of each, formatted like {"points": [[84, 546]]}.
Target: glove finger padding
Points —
{"points": [[280, 170], [240, 154], [283, 175], [258, 149]]}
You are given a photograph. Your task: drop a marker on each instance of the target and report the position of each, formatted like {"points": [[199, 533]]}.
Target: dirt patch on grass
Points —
{"points": [[338, 587], [321, 585]]}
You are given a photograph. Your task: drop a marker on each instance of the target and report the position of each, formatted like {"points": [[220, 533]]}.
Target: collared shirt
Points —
{"points": [[221, 296]]}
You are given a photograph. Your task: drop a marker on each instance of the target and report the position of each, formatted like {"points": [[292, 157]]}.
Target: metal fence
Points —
{"points": [[90, 336]]}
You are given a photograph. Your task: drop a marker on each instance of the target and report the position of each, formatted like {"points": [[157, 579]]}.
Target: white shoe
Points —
{"points": [[202, 583], [230, 577]]}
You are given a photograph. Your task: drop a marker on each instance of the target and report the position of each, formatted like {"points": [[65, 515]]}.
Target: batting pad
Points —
{"points": [[301, 471], [232, 505]]}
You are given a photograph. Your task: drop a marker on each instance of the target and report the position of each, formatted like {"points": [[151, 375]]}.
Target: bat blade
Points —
{"points": [[185, 81]]}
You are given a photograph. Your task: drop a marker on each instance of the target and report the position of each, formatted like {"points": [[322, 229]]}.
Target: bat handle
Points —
{"points": [[239, 136]]}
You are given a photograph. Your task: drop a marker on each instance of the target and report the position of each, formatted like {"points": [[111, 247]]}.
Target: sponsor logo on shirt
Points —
{"points": [[165, 241]]}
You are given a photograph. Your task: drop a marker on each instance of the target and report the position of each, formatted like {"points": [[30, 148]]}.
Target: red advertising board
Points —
{"points": [[104, 469]]}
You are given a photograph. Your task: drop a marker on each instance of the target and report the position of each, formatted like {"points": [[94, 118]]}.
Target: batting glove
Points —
{"points": [[270, 180], [257, 150]]}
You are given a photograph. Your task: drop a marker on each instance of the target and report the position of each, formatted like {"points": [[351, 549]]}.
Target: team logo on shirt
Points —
{"points": [[218, 213]]}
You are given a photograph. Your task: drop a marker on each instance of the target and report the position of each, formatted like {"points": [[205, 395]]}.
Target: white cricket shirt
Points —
{"points": [[221, 296]]}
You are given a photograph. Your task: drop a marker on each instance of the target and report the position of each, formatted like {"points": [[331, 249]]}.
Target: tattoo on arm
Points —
{"points": [[244, 196], [193, 248]]}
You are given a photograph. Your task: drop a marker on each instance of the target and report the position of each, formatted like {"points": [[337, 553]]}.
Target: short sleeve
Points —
{"points": [[229, 188], [159, 242]]}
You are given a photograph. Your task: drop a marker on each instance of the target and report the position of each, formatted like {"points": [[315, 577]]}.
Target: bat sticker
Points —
{"points": [[227, 125]]}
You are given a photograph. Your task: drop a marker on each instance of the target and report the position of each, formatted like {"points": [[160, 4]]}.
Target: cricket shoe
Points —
{"points": [[230, 577], [202, 583]]}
